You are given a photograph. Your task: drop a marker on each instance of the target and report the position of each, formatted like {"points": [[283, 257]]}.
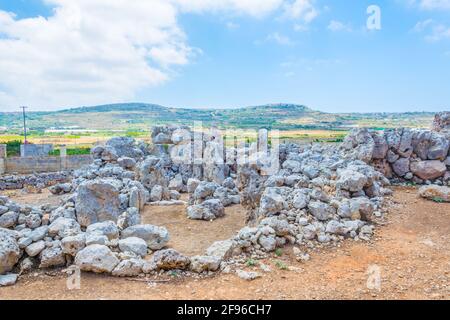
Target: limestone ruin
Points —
{"points": [[321, 194]]}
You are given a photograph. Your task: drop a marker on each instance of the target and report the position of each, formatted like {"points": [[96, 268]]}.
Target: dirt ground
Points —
{"points": [[189, 236], [411, 251], [33, 199]]}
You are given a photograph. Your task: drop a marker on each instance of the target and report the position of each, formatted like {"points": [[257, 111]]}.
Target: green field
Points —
{"points": [[86, 126]]}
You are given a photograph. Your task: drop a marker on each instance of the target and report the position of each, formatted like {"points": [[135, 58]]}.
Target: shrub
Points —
{"points": [[71, 152], [279, 252], [12, 148]]}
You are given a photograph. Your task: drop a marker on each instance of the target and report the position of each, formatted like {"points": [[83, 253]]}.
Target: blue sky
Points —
{"points": [[225, 53]]}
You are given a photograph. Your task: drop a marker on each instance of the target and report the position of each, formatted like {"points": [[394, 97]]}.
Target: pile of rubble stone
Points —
{"points": [[320, 194], [417, 155], [36, 180]]}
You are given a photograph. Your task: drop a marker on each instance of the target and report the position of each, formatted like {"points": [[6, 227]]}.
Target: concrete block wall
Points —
{"points": [[35, 150], [25, 165]]}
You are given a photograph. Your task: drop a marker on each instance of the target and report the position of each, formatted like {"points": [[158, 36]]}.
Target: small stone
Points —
{"points": [[8, 279], [247, 275]]}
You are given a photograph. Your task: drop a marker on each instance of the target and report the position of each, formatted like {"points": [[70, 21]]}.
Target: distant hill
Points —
{"points": [[141, 116]]}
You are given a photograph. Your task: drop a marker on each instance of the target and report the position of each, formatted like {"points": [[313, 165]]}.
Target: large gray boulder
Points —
{"points": [[129, 218], [151, 172], [428, 170], [97, 201], [134, 245], [169, 259], [52, 257], [442, 121], [9, 250], [272, 201], [64, 227], [124, 147], [107, 228], [401, 167], [128, 268], [221, 249], [322, 211], [433, 192], [156, 237], [73, 244], [351, 180], [9, 219], [204, 263], [96, 258], [207, 210]]}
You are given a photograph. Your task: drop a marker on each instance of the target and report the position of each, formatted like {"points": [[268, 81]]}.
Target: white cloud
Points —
{"points": [[232, 25], [336, 26], [280, 39], [100, 51], [256, 8], [433, 31], [434, 4], [303, 10], [422, 25]]}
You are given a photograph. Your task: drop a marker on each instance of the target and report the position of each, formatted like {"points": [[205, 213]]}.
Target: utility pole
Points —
{"points": [[24, 125]]}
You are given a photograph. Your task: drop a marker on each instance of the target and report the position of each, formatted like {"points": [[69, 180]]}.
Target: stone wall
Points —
{"points": [[38, 180], [24, 165], [35, 150], [416, 155]]}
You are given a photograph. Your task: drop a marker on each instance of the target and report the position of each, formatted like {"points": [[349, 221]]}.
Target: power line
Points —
{"points": [[24, 125]]}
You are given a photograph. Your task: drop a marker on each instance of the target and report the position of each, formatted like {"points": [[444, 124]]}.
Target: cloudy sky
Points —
{"points": [[225, 53]]}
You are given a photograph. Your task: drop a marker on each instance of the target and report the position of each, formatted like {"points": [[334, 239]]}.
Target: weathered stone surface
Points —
{"points": [[157, 193], [351, 180], [9, 219], [96, 238], [204, 263], [64, 227], [301, 200], [321, 210], [124, 147], [8, 279], [428, 170], [9, 250], [381, 147], [128, 268], [156, 237], [96, 258], [433, 192], [97, 201], [35, 248], [169, 259], [221, 249], [52, 257], [135, 245], [442, 121], [192, 184], [129, 218], [176, 183], [401, 167], [208, 210], [247, 275], [126, 162], [106, 228], [272, 201], [73, 244]]}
